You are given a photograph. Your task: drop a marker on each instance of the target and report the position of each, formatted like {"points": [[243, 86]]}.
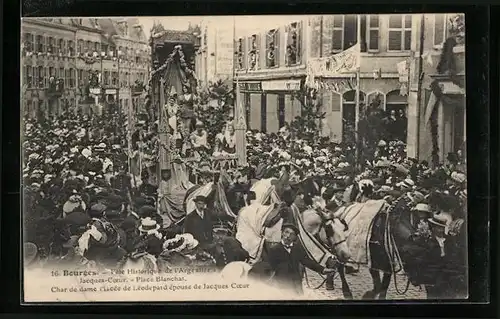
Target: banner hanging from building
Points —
{"points": [[336, 85], [347, 61]]}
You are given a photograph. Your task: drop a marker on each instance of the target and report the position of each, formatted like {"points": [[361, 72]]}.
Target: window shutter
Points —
{"points": [[258, 46], [248, 49], [315, 40], [235, 54], [288, 37], [25, 75], [245, 53], [332, 123], [336, 118], [300, 39], [395, 40], [278, 47], [327, 35], [269, 39]]}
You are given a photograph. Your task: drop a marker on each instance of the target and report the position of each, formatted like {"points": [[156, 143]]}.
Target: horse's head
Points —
{"points": [[336, 235], [331, 230]]}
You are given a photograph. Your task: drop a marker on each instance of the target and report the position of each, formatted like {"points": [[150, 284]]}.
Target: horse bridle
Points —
{"points": [[329, 222]]}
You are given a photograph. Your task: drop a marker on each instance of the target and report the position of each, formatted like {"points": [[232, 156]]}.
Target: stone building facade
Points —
{"points": [[436, 114], [272, 64], [73, 52]]}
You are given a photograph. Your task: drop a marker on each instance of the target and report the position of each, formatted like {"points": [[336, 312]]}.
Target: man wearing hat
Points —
{"points": [[287, 259], [446, 261], [226, 248], [199, 222], [150, 237], [106, 247], [333, 195]]}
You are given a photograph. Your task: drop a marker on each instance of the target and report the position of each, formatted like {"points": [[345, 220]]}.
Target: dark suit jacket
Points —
{"points": [[233, 251], [201, 229], [287, 267]]}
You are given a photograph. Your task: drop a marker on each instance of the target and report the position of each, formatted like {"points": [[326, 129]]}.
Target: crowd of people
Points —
{"points": [[88, 198]]}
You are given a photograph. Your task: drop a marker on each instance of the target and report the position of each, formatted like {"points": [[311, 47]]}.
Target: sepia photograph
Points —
{"points": [[244, 158]]}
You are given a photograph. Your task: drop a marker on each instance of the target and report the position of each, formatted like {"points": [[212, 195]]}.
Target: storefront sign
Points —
{"points": [[251, 86], [95, 91], [281, 85], [110, 91]]}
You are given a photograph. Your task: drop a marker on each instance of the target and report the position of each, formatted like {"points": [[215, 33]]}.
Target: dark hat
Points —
{"points": [[200, 198], [290, 226], [114, 201], [77, 218], [141, 201], [113, 214], [147, 211], [129, 223], [97, 209]]}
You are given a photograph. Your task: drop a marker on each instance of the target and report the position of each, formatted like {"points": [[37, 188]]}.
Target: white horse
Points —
{"points": [[323, 239]]}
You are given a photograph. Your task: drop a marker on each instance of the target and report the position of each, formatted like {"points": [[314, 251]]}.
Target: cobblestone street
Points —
{"points": [[359, 283]]}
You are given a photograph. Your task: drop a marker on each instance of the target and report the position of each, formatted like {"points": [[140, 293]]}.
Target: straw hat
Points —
{"points": [[148, 224]]}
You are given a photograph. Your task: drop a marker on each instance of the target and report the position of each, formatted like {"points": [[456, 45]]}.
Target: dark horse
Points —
{"points": [[391, 229]]}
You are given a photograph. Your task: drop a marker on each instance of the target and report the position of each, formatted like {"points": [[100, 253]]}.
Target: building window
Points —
{"points": [[263, 113], [104, 48], [349, 114], [29, 76], [293, 45], [337, 34], [71, 48], [40, 43], [52, 72], [51, 45], [80, 77], [61, 73], [281, 110], [396, 107], [272, 48], [373, 31], [253, 52], [72, 78], [60, 46], [114, 80], [106, 77], [247, 108], [97, 47], [35, 77], [441, 29], [66, 78], [80, 47], [28, 42], [400, 32], [240, 54], [127, 79], [41, 76]]}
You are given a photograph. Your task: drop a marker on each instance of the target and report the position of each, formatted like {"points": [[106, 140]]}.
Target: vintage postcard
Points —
{"points": [[244, 158]]}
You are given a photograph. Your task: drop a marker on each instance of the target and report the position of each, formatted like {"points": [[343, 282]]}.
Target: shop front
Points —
{"points": [[444, 125], [270, 104]]}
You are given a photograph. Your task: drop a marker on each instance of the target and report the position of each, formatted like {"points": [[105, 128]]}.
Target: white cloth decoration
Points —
{"points": [[83, 241]]}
